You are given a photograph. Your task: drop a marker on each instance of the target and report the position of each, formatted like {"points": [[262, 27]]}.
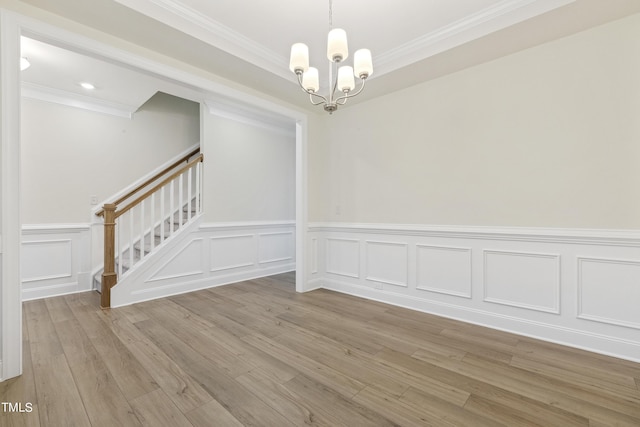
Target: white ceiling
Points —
{"points": [[55, 74], [248, 42], [399, 33]]}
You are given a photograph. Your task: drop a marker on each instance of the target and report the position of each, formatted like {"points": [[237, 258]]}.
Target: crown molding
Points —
{"points": [[491, 19], [70, 99], [188, 20], [471, 27]]}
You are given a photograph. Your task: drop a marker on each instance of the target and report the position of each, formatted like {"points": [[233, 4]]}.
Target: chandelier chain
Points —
{"points": [[330, 13]]}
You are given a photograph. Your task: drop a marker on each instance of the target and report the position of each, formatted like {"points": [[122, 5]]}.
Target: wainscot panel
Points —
{"points": [[55, 260], [574, 287], [208, 255], [343, 257], [387, 262], [524, 280], [609, 291], [444, 269]]}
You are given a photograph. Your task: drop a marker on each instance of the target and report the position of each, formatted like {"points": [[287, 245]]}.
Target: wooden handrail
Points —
{"points": [[152, 179], [152, 190]]}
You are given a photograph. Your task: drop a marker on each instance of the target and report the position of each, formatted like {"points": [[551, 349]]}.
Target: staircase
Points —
{"points": [[140, 221], [140, 250]]}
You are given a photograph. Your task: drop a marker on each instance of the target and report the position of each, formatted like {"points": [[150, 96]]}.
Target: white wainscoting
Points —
{"points": [[575, 287], [609, 291], [55, 260], [387, 263], [208, 255], [443, 269], [523, 280]]}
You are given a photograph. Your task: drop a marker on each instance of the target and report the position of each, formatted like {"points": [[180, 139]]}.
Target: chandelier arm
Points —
{"points": [[320, 102], [350, 94], [311, 94]]}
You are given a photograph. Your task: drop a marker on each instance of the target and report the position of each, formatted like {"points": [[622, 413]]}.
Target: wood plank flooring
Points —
{"points": [[258, 354]]}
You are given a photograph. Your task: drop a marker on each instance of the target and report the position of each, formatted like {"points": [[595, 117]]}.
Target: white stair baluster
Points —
{"points": [[152, 214], [180, 199], [189, 195], [118, 248], [130, 213], [142, 229], [171, 198], [198, 199], [162, 193]]}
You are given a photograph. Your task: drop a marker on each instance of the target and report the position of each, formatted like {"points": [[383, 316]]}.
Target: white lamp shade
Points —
{"points": [[299, 61], [310, 80], [337, 49], [346, 81], [362, 64]]}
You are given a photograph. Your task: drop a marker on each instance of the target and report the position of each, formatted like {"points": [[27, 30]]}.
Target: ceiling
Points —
{"points": [[247, 43]]}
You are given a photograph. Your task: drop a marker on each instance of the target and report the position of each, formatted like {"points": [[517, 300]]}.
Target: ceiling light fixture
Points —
{"points": [[24, 64], [342, 88], [87, 85]]}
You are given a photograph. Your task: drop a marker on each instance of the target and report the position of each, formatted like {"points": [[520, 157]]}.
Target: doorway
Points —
{"points": [[13, 28]]}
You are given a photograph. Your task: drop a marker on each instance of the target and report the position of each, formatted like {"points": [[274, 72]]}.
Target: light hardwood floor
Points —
{"points": [[258, 354]]}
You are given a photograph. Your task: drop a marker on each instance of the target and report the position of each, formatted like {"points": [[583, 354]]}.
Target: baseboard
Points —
{"points": [[49, 291], [315, 284], [199, 284]]}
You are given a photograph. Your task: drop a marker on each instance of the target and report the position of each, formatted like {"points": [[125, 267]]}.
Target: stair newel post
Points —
{"points": [[109, 276]]}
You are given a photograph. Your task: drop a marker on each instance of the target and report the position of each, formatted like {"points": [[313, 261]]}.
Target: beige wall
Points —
{"points": [[69, 154], [546, 137], [249, 172]]}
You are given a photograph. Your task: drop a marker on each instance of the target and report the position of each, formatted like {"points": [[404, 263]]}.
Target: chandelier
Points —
{"points": [[341, 78]]}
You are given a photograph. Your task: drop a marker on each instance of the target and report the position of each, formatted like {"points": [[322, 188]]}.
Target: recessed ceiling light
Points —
{"points": [[24, 64], [87, 85]]}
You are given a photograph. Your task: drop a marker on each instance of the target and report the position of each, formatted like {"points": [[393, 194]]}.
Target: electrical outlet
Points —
{"points": [[377, 286], [93, 200]]}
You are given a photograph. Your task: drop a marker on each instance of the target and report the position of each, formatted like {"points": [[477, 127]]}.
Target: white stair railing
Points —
{"points": [[137, 225]]}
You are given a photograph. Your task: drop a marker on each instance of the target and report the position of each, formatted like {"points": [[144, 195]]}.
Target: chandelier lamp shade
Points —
{"points": [[342, 78]]}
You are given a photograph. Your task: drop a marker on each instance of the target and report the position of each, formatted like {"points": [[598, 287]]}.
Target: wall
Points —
{"points": [[319, 155], [503, 195], [249, 171], [247, 229], [69, 154], [546, 137]]}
